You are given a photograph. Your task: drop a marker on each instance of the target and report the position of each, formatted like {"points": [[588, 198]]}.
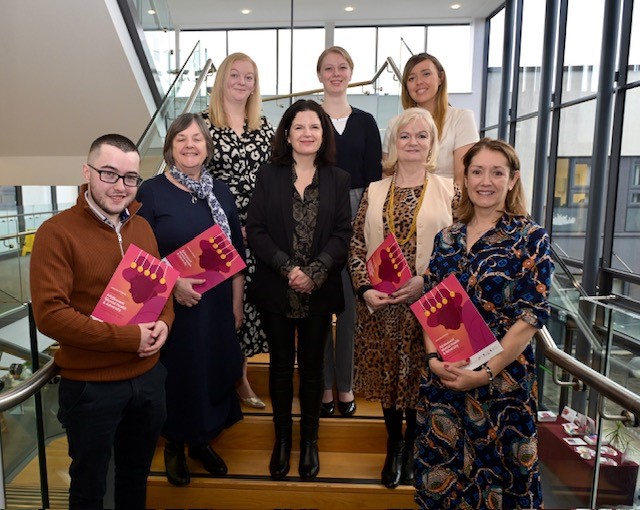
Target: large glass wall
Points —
{"points": [[572, 121]]}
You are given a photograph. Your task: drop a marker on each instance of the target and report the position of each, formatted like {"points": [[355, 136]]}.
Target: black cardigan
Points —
{"points": [[358, 149], [270, 234]]}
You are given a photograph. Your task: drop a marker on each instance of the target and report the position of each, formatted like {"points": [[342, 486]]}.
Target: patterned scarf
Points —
{"points": [[203, 189]]}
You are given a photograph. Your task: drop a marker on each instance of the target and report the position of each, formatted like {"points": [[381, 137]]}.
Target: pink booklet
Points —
{"points": [[454, 324], [388, 269], [209, 256], [137, 291]]}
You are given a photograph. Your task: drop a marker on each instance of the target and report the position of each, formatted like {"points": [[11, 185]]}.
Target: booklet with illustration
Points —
{"points": [[388, 269], [137, 291], [210, 256], [454, 325]]}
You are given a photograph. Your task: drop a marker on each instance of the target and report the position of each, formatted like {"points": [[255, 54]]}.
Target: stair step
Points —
{"points": [[232, 494], [246, 494], [335, 435]]}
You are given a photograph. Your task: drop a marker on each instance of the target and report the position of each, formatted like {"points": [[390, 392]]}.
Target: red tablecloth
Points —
{"points": [[616, 484]]}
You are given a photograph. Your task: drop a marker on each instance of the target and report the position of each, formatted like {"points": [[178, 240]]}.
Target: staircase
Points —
{"points": [[352, 452]]}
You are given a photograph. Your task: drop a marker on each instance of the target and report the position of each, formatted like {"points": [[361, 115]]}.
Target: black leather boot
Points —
{"points": [[309, 461], [211, 461], [392, 470], [407, 464], [175, 464], [279, 464]]}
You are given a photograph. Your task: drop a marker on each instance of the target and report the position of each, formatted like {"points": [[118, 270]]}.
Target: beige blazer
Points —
{"points": [[433, 216]]}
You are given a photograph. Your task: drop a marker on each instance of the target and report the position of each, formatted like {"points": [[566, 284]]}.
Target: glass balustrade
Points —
{"points": [[152, 140]]}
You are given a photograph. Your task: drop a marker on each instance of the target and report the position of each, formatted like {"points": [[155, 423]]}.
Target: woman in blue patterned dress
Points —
{"points": [[476, 445], [242, 142]]}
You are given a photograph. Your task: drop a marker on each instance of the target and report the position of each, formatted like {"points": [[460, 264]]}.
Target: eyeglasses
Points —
{"points": [[110, 177]]}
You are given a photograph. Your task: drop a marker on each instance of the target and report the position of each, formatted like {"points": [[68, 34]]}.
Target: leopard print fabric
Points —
{"points": [[389, 351]]}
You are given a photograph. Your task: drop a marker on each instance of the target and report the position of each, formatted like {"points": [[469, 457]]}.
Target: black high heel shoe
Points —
{"points": [[327, 409], [347, 409]]}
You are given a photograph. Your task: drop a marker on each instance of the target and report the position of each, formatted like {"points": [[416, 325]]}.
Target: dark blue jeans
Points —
{"points": [[123, 416]]}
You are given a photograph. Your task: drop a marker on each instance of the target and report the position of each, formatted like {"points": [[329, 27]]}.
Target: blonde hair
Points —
{"points": [[334, 49], [442, 97], [515, 202], [253, 107], [405, 118]]}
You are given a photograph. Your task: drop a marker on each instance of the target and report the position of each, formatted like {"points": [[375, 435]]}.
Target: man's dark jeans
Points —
{"points": [[123, 416]]}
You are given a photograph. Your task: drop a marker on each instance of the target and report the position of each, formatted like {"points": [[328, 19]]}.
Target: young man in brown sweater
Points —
{"points": [[111, 396]]}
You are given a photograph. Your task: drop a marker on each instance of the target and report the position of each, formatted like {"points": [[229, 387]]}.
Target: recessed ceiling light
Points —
{"points": [[455, 6], [349, 8], [245, 11], [151, 11]]}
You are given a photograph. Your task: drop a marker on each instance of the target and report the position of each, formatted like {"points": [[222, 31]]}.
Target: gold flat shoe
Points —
{"points": [[253, 402]]}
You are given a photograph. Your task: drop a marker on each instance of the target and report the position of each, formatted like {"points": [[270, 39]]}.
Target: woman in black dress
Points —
{"points": [[202, 354]]}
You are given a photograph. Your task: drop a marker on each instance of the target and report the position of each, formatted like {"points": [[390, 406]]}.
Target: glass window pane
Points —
{"points": [[494, 71], [531, 56], [308, 43], [627, 222], [634, 45], [359, 42], [582, 54], [573, 171], [213, 45], [452, 45], [260, 45], [526, 146], [399, 43]]}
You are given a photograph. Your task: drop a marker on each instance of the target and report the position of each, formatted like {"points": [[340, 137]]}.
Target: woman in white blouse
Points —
{"points": [[424, 84]]}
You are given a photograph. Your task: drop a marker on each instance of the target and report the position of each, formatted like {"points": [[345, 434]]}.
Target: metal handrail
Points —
{"points": [[208, 67], [387, 63], [30, 387], [7, 237], [593, 379]]}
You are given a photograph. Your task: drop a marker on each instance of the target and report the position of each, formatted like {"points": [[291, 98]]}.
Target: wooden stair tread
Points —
{"points": [[337, 466]]}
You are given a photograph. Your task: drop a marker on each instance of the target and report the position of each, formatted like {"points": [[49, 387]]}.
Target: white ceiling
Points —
{"points": [[203, 14], [69, 73]]}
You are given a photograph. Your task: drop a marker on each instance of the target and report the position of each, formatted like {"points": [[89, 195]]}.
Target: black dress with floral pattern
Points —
{"points": [[235, 161], [478, 449]]}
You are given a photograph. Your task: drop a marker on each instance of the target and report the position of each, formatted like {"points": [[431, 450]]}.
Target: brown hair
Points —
{"points": [[282, 153], [515, 202], [442, 97], [181, 123]]}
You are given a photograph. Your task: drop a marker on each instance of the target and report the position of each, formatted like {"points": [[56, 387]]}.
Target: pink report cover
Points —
{"points": [[454, 325], [137, 291], [388, 269], [210, 256]]}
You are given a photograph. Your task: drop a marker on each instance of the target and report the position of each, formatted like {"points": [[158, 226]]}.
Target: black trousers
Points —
{"points": [[281, 337], [123, 416]]}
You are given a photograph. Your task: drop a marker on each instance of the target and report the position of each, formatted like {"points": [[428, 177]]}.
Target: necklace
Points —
{"points": [[414, 220], [342, 115]]}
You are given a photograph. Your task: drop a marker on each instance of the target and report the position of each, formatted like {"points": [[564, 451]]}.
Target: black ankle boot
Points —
{"points": [[392, 470], [279, 464], [309, 461], [176, 464], [407, 464], [211, 461]]}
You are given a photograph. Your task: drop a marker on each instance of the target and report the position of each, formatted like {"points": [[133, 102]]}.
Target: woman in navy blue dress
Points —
{"points": [[202, 354], [476, 445]]}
